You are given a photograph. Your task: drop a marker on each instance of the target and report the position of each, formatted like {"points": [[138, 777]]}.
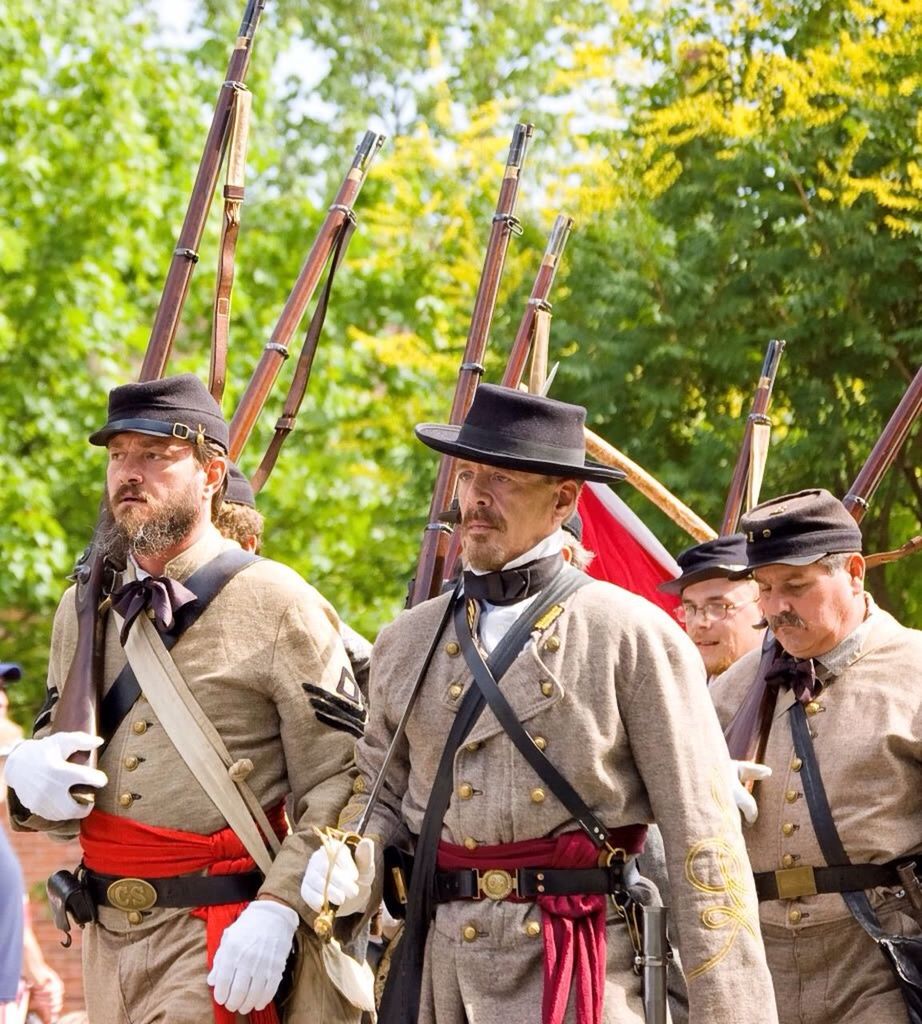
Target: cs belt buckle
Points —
{"points": [[795, 882], [131, 894], [496, 884]]}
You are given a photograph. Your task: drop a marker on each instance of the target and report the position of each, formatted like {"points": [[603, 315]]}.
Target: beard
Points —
{"points": [[485, 552], [150, 529]]}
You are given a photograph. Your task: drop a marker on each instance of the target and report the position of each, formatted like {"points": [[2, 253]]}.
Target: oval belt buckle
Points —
{"points": [[131, 894], [496, 884]]}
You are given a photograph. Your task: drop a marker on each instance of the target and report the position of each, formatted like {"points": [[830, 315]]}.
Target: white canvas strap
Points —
{"points": [[197, 741]]}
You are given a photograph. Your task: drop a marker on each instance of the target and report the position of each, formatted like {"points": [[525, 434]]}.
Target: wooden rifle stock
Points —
{"points": [[760, 404], [431, 565], [538, 300], [885, 451], [276, 350], [185, 255]]}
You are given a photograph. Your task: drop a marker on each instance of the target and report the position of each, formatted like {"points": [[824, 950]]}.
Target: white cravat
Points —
{"points": [[496, 619]]}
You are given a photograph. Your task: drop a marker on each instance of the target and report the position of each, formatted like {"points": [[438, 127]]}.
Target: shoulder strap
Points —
{"points": [[197, 741], [514, 729], [823, 822], [206, 583], [400, 1001]]}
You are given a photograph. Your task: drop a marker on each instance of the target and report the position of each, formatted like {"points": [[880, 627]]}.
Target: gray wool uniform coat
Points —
{"points": [[615, 692], [867, 733], [247, 660]]}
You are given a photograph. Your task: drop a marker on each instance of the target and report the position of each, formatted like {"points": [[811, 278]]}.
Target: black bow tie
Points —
{"points": [[509, 586], [793, 674], [164, 596]]}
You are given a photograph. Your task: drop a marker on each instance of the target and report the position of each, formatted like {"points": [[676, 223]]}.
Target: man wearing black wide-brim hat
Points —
{"points": [[836, 706], [184, 927], [612, 693]]}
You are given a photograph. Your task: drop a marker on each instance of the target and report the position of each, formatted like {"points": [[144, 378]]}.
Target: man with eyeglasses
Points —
{"points": [[720, 614]]}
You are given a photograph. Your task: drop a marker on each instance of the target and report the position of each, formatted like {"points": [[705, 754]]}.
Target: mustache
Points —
{"points": [[128, 491], [786, 619], [483, 515]]}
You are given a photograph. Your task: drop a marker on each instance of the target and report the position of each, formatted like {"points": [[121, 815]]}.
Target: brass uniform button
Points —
{"points": [[787, 829], [359, 785], [537, 796], [135, 917], [813, 708], [547, 688], [452, 648], [794, 916], [126, 799], [533, 929], [469, 933], [796, 764], [540, 742], [470, 844], [552, 643], [455, 691], [787, 861], [465, 791], [471, 747], [132, 762], [139, 727], [791, 796]]}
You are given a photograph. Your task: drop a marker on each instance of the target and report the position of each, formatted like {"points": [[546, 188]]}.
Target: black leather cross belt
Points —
{"points": [[139, 894], [528, 883], [791, 883]]}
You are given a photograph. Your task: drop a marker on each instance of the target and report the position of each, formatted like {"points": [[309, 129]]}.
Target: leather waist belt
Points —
{"points": [[182, 891], [791, 883], [529, 883]]}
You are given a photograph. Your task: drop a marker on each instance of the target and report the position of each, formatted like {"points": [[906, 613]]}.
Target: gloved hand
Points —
{"points": [[738, 773], [251, 956], [344, 878], [41, 776]]}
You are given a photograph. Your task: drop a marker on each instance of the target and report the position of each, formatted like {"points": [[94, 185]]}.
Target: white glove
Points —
{"points": [[745, 771], [41, 776], [344, 878], [251, 956]]}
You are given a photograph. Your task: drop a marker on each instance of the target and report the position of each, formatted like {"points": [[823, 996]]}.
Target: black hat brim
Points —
{"points": [[444, 438], [712, 572]]}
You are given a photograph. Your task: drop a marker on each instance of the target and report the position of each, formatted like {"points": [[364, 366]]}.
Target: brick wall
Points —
{"points": [[41, 857]]}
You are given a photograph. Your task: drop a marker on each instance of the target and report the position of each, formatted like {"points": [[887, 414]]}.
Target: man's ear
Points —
{"points": [[855, 567], [215, 471], [566, 498]]}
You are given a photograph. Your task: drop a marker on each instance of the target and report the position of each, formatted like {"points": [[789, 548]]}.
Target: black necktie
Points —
{"points": [[164, 596], [794, 674], [511, 585]]}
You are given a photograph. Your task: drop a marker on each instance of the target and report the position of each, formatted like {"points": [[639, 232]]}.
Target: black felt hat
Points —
{"points": [[178, 407], [515, 430], [238, 491], [723, 556], [10, 672], [798, 529]]}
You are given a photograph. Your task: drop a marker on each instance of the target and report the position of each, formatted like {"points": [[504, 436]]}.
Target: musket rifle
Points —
{"points": [[276, 351], [434, 549]]}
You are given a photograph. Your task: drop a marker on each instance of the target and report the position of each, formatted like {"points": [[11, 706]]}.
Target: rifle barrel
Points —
{"points": [[434, 548], [276, 350], [185, 255], [885, 451]]}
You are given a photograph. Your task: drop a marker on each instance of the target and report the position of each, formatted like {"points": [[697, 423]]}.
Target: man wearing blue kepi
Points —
{"points": [[527, 800]]}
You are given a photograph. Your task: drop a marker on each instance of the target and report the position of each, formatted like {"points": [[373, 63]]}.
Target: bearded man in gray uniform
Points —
{"points": [[842, 691], [265, 663], [612, 692]]}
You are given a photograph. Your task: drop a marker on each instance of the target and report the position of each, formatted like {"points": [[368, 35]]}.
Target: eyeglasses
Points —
{"points": [[716, 611]]}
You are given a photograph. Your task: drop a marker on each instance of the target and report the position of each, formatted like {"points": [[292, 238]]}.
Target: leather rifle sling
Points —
{"points": [[400, 1001]]}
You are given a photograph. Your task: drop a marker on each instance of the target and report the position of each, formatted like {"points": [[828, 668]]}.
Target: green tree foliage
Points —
{"points": [[737, 172]]}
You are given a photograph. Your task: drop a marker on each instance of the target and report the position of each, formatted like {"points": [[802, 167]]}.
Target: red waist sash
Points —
{"points": [[118, 846], [572, 927]]}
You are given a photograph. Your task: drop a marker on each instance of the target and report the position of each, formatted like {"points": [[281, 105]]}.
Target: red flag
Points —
{"points": [[626, 552]]}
